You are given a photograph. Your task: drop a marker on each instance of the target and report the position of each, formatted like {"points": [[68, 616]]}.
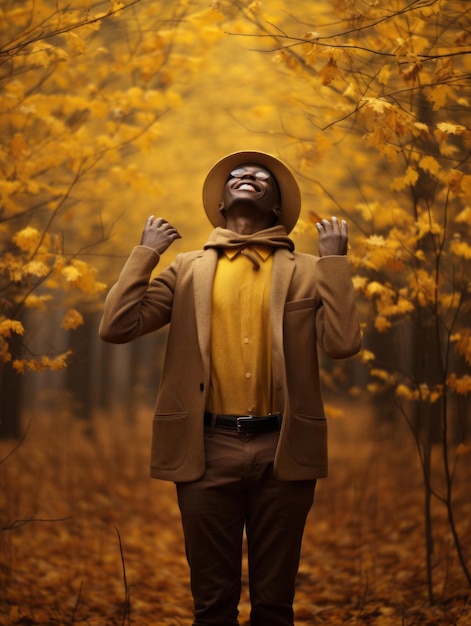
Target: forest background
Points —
{"points": [[112, 111]]}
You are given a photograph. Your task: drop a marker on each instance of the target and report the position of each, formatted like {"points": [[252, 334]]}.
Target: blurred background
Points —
{"points": [[109, 122], [113, 111]]}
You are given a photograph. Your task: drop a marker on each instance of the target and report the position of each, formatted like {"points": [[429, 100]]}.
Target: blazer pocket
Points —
{"points": [[308, 440], [169, 440], [297, 305]]}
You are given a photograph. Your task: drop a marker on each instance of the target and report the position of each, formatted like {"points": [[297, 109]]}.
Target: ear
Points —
{"points": [[221, 209], [277, 210]]}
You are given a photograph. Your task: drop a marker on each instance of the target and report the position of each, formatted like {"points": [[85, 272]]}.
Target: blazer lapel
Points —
{"points": [[203, 276], [283, 268]]}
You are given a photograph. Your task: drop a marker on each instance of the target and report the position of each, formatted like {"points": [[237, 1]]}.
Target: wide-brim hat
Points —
{"points": [[216, 179]]}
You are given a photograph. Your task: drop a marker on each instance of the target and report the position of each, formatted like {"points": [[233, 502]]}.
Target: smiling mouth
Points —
{"points": [[247, 186]]}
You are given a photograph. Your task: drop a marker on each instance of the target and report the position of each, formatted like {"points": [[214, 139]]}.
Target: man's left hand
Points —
{"points": [[333, 237]]}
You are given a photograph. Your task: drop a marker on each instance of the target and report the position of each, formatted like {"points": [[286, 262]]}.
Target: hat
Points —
{"points": [[215, 182]]}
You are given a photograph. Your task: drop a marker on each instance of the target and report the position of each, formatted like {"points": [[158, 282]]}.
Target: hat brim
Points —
{"points": [[215, 182]]}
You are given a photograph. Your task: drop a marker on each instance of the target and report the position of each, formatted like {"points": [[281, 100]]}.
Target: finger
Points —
{"points": [[169, 229], [344, 228], [335, 224], [326, 224]]}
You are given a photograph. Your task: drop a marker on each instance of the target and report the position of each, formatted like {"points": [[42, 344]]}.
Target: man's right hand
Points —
{"points": [[158, 234]]}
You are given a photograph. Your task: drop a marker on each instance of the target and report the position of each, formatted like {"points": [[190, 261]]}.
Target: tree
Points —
{"points": [[84, 89], [390, 85]]}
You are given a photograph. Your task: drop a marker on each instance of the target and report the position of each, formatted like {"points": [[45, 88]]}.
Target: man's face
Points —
{"points": [[251, 187]]}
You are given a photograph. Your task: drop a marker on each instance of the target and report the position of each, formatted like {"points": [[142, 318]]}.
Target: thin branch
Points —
{"points": [[66, 29], [20, 442], [126, 613], [19, 523]]}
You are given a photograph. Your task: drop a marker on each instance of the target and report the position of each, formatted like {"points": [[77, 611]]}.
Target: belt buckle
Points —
{"points": [[240, 421]]}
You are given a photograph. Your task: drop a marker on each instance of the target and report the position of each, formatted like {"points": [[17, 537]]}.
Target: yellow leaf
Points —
{"points": [[116, 7], [375, 387], [329, 72], [36, 268], [5, 354], [375, 288], [71, 274], [27, 239], [454, 179], [451, 129], [384, 75], [45, 362], [72, 319], [36, 302], [376, 240], [75, 42], [410, 178], [82, 276], [40, 56], [311, 35], [404, 305], [19, 365], [460, 385], [427, 223], [377, 105], [255, 6], [367, 355], [8, 326], [420, 255], [359, 282], [464, 216], [379, 373], [405, 392], [466, 185], [382, 323], [438, 96], [430, 164], [461, 249]]}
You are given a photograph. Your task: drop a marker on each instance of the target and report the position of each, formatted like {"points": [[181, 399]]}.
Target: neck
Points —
{"points": [[247, 224]]}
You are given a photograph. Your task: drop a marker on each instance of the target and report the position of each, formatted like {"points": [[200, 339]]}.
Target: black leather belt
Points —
{"points": [[243, 423]]}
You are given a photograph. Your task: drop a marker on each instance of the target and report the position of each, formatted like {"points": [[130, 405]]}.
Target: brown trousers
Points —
{"points": [[239, 489]]}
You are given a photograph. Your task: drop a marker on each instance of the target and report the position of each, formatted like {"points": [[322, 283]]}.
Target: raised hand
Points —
{"points": [[158, 234], [333, 237]]}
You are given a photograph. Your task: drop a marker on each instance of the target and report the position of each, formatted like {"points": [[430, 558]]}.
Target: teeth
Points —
{"points": [[247, 187]]}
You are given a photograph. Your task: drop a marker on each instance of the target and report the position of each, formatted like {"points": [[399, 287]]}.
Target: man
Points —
{"points": [[239, 423]]}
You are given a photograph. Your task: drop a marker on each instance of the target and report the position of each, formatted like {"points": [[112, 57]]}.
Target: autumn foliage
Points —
{"points": [[78, 98], [111, 111], [393, 83]]}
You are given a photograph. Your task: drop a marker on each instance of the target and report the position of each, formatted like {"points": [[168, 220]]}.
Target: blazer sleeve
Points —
{"points": [[134, 306], [337, 320]]}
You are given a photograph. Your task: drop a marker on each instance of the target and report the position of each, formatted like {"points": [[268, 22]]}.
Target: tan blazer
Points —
{"points": [[312, 302]]}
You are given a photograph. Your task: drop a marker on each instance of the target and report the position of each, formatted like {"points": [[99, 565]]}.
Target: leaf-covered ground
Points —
{"points": [[92, 541]]}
